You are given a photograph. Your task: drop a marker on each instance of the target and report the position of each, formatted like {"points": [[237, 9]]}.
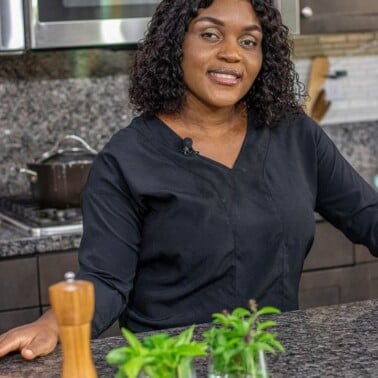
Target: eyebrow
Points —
{"points": [[216, 21]]}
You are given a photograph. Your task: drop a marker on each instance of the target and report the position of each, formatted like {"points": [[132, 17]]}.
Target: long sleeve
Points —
{"points": [[344, 198], [108, 252]]}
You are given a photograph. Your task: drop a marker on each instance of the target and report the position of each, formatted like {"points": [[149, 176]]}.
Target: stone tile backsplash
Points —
{"points": [[46, 95]]}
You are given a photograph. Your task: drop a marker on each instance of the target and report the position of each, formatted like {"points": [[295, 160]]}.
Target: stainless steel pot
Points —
{"points": [[59, 175]]}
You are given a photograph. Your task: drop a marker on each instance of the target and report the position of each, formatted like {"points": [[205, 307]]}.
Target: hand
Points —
{"points": [[32, 340]]}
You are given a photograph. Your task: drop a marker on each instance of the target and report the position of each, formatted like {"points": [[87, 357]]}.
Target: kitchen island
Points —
{"points": [[332, 341]]}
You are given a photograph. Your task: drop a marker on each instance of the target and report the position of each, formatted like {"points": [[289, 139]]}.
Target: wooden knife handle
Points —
{"points": [[72, 302]]}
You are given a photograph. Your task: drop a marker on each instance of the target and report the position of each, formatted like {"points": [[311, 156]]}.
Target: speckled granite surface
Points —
{"points": [[15, 243], [358, 142], [333, 341], [46, 95]]}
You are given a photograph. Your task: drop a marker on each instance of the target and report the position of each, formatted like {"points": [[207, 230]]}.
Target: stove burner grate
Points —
{"points": [[25, 213]]}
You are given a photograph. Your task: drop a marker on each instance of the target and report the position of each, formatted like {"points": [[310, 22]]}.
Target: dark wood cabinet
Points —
{"points": [[24, 284], [339, 285], [18, 283], [338, 16], [337, 271], [15, 318], [19, 296], [330, 249]]}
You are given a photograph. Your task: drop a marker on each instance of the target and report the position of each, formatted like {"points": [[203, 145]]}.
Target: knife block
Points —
{"points": [[72, 302]]}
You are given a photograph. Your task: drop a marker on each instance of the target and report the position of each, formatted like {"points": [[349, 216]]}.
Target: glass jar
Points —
{"points": [[260, 370], [185, 370]]}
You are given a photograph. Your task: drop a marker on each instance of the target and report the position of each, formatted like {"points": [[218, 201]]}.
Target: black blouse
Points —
{"points": [[170, 238]]}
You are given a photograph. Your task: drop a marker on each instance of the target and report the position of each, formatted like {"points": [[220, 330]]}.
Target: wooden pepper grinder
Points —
{"points": [[72, 302]]}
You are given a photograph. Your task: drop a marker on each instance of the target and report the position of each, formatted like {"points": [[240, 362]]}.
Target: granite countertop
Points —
{"points": [[14, 242], [332, 341]]}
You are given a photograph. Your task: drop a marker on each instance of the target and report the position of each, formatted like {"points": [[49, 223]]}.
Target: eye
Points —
{"points": [[248, 42], [210, 36]]}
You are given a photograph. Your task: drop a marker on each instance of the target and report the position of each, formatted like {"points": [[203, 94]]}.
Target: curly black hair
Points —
{"points": [[157, 84]]}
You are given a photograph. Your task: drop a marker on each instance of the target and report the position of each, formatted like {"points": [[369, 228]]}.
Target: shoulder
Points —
{"points": [[124, 138], [298, 124], [301, 137], [119, 148], [129, 140], [297, 127], [122, 154], [303, 129]]}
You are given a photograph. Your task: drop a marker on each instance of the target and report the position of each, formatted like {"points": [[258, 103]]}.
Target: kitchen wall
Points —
{"points": [[46, 95]]}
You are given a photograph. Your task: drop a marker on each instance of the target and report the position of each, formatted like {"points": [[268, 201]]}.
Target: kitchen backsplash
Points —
{"points": [[46, 95]]}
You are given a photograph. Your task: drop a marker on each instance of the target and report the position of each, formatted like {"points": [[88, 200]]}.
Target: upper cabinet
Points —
{"points": [[338, 16]]}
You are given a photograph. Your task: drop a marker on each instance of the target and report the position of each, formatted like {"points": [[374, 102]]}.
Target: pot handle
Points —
{"points": [[54, 150], [32, 174]]}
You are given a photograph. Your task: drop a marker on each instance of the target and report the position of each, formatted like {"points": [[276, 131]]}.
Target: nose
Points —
{"points": [[229, 51]]}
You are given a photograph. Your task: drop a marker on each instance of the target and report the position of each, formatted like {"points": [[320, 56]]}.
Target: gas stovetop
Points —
{"points": [[26, 215]]}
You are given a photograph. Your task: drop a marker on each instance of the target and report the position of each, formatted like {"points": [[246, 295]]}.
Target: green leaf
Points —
{"points": [[268, 310], [117, 356], [132, 367], [191, 350], [220, 318], [219, 350], [184, 369], [185, 336], [276, 344], [132, 340], [120, 374], [157, 340], [264, 346], [241, 312], [267, 324]]}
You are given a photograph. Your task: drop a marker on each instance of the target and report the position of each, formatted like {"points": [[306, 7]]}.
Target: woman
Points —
{"points": [[207, 198]]}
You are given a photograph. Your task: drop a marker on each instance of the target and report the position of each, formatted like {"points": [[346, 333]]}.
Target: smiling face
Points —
{"points": [[222, 54]]}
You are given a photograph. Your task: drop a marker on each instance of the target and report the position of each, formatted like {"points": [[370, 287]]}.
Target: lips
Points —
{"points": [[225, 76]]}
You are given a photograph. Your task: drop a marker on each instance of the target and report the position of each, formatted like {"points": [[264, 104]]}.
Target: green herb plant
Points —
{"points": [[157, 356], [237, 340]]}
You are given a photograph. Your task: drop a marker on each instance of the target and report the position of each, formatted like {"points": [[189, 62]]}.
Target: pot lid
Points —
{"points": [[60, 154]]}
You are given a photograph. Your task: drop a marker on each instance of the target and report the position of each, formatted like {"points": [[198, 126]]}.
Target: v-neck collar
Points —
{"points": [[161, 131]]}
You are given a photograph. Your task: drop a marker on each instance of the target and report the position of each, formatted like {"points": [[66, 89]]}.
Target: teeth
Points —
{"points": [[225, 76]]}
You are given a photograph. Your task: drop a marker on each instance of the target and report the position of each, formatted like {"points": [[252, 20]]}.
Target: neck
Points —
{"points": [[206, 121]]}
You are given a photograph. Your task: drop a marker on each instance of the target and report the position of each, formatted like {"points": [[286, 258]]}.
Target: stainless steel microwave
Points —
{"points": [[74, 23], [50, 24]]}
